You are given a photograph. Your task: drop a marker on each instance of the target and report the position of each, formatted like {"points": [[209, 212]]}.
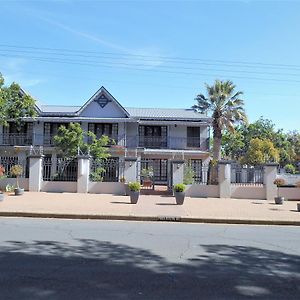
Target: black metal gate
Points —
{"points": [[157, 169]]}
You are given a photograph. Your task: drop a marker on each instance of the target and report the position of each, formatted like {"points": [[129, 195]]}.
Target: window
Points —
{"points": [[100, 129], [193, 136]]}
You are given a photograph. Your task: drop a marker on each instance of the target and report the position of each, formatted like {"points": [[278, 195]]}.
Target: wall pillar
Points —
{"points": [[224, 177], [130, 169], [83, 177], [270, 172], [35, 173], [177, 171]]}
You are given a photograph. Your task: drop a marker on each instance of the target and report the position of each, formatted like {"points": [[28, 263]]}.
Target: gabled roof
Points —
{"points": [[129, 112], [103, 90]]}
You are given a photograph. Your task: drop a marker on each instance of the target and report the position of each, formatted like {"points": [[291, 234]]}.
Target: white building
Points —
{"points": [[154, 136]]}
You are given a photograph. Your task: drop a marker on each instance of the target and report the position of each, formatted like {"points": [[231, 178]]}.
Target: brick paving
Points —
{"points": [[150, 206]]}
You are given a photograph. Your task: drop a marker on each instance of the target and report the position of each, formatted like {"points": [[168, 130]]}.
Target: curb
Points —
{"points": [[150, 218]]}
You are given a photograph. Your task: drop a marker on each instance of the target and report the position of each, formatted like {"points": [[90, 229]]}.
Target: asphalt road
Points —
{"points": [[75, 259]]}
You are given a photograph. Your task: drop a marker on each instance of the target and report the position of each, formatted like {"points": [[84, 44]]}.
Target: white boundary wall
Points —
{"points": [[59, 186], [23, 183], [248, 191], [202, 191], [114, 188], [290, 193]]}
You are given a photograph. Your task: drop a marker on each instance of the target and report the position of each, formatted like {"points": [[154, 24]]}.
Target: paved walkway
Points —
{"points": [[150, 208]]}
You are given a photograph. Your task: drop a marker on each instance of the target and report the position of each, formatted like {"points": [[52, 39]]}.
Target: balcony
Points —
{"points": [[176, 143], [152, 142], [16, 139]]}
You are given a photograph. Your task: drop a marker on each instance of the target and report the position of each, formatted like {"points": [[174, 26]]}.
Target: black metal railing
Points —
{"points": [[197, 173], [59, 169], [7, 162], [242, 174], [106, 170], [153, 142]]}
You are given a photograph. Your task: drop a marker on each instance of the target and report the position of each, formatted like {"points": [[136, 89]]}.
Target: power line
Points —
{"points": [[125, 67], [147, 65], [152, 57]]}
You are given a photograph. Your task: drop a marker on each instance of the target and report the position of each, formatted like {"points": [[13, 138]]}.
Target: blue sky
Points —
{"points": [[155, 53]]}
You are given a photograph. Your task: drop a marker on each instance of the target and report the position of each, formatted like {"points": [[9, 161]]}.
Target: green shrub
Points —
{"points": [[289, 168], [180, 187], [134, 186], [97, 175], [188, 176]]}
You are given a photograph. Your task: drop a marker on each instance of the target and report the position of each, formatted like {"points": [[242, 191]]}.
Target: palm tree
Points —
{"points": [[226, 107]]}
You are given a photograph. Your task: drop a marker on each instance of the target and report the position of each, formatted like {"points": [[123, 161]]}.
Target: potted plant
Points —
{"points": [[147, 175], [134, 191], [179, 193], [17, 170], [2, 175], [279, 182]]}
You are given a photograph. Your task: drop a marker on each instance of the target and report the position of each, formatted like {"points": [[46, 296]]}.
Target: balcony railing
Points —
{"points": [[170, 142], [157, 142], [16, 139]]}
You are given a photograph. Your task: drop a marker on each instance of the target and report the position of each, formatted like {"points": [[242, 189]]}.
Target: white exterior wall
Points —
{"points": [[110, 110], [132, 134], [38, 133], [178, 135]]}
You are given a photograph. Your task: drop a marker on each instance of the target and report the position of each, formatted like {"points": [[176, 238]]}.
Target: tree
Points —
{"points": [[260, 152], [233, 145], [15, 104], [227, 109], [294, 138], [73, 138]]}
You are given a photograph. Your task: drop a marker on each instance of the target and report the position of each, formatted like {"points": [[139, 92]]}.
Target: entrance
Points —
{"points": [[153, 174]]}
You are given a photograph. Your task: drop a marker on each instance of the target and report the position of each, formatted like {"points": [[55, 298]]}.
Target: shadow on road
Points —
{"points": [[91, 269]]}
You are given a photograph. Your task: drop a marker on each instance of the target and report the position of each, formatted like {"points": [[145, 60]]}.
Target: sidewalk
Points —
{"points": [[150, 208]]}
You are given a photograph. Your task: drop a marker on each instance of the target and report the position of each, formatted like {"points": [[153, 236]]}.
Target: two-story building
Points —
{"points": [[154, 136]]}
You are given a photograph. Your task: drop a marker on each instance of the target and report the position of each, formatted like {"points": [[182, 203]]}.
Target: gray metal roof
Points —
{"points": [[59, 108], [164, 113]]}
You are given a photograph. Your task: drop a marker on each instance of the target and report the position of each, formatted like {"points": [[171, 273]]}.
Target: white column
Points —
{"points": [[269, 177], [130, 170], [83, 173], [35, 173], [224, 179]]}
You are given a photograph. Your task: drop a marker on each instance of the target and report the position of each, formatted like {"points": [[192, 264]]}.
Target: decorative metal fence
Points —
{"points": [[198, 173], [106, 170], [245, 175], [9, 161], [59, 169]]}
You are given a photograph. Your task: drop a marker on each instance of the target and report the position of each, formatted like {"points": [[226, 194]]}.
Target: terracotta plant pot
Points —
{"points": [[179, 196]]}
